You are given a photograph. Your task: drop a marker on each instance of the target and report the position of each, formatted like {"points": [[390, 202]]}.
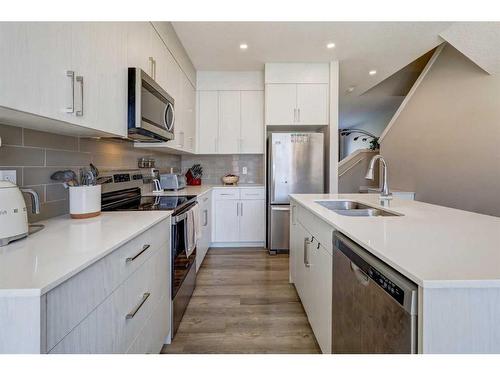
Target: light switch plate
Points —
{"points": [[244, 170], [9, 176]]}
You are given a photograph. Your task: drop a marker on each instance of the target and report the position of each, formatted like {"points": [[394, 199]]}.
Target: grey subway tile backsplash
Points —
{"points": [[36, 155]]}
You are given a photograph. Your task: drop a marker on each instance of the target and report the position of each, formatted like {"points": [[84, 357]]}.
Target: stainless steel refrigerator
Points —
{"points": [[295, 165]]}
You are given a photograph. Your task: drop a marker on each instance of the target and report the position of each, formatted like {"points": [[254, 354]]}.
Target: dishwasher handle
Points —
{"points": [[362, 277]]}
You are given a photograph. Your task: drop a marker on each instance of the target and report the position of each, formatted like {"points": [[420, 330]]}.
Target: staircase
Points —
{"points": [[352, 170]]}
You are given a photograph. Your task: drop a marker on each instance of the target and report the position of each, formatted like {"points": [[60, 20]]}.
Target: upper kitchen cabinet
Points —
{"points": [[230, 118], [69, 78], [297, 94], [140, 46], [252, 122], [99, 56]]}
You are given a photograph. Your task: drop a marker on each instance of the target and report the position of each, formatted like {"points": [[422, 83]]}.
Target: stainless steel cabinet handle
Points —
{"points": [[241, 209], [79, 79], [131, 314], [151, 63], [298, 114], [307, 242], [206, 217], [237, 209], [131, 259], [295, 115], [71, 75]]}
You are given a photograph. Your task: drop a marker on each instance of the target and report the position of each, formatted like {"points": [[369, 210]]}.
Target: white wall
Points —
{"points": [[444, 144]]}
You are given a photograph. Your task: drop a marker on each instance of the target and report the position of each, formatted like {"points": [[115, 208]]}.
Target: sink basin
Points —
{"points": [[353, 208]]}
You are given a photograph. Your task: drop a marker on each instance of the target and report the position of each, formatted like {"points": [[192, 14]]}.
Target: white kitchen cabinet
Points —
{"points": [[229, 122], [140, 46], [188, 98], [281, 104], [227, 224], [35, 59], [205, 202], [99, 59], [252, 122], [312, 104], [297, 104], [207, 122], [239, 217], [252, 220], [311, 272]]}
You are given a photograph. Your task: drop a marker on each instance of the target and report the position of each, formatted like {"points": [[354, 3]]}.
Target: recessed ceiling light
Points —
{"points": [[243, 46], [372, 72], [330, 45]]}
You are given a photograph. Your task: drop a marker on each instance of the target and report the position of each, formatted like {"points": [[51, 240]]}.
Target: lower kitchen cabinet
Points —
{"points": [[311, 272], [239, 217], [205, 202]]}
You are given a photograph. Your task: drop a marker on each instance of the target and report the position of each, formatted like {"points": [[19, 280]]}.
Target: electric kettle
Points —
{"points": [[13, 215]]}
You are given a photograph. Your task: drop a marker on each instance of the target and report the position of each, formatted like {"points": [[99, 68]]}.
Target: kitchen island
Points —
{"points": [[452, 255]]}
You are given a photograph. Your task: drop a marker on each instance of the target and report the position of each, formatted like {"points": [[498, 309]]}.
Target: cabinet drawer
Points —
{"points": [[72, 301], [226, 193], [252, 193], [107, 329], [321, 230]]}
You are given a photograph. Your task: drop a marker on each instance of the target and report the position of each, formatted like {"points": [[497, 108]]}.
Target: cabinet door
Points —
{"points": [[208, 122], [252, 122], [301, 269], [294, 243], [206, 229], [99, 56], [227, 221], [252, 220], [35, 58], [281, 104], [319, 290], [312, 104], [161, 57], [188, 114], [140, 45], [229, 122]]}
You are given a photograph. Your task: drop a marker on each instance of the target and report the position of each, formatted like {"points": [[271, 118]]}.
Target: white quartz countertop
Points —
{"points": [[35, 265], [202, 189], [435, 246]]}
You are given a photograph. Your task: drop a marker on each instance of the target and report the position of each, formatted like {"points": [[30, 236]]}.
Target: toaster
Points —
{"points": [[172, 181]]}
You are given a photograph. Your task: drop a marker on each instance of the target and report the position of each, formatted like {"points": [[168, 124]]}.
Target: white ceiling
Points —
{"points": [[360, 47]]}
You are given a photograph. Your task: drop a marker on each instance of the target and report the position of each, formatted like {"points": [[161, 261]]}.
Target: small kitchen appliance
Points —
{"points": [[172, 181], [13, 215]]}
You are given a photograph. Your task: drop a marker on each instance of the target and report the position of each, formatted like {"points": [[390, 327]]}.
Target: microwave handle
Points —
{"points": [[169, 127]]}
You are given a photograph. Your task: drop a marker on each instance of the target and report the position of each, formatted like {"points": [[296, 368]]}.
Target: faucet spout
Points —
{"points": [[385, 194]]}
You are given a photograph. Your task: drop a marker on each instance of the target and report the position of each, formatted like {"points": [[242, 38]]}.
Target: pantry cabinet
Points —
{"points": [[239, 217], [233, 119], [205, 202]]}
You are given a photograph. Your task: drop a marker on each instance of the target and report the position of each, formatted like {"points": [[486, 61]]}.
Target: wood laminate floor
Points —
{"points": [[243, 303]]}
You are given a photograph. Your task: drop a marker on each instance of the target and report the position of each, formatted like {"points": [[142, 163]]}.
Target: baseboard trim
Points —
{"points": [[238, 244]]}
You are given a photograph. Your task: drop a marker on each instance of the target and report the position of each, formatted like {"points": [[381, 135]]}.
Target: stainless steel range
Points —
{"points": [[122, 192]]}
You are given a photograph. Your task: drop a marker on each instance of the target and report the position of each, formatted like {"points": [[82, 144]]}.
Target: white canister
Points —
{"points": [[84, 201]]}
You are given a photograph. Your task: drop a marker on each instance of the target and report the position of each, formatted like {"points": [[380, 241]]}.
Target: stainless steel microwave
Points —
{"points": [[151, 112]]}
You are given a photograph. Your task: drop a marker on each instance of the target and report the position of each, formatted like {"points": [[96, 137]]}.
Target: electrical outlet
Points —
{"points": [[244, 170], [9, 176]]}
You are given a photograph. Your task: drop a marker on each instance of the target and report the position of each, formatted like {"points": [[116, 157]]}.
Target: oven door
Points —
{"points": [[151, 112], [181, 262]]}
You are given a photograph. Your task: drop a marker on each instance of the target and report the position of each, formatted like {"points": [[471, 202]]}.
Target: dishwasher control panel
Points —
{"points": [[395, 291]]}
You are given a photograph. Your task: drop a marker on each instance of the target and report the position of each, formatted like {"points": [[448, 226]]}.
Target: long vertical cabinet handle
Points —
{"points": [[237, 209], [241, 209], [206, 217], [295, 115], [79, 79], [306, 252], [298, 114], [71, 75], [151, 66]]}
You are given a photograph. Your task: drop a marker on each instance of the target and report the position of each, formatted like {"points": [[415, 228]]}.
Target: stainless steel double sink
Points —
{"points": [[353, 208]]}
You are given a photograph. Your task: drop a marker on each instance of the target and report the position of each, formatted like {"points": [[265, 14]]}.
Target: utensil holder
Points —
{"points": [[84, 201]]}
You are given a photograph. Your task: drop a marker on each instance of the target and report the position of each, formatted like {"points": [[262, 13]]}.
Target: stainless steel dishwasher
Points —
{"points": [[374, 307]]}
